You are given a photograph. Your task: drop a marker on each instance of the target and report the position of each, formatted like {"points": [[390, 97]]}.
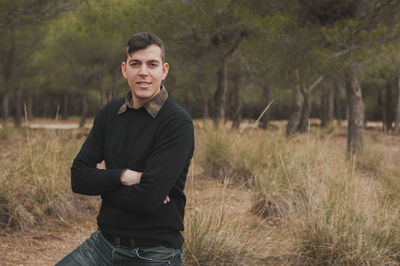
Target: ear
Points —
{"points": [[123, 68], [165, 70]]}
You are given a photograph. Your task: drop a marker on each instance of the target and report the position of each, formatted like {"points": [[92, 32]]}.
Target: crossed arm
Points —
{"points": [[128, 177]]}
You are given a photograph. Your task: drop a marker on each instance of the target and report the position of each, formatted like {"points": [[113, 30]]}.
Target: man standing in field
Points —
{"points": [[136, 157]]}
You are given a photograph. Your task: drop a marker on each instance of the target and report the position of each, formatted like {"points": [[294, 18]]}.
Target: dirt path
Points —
{"points": [[43, 247]]}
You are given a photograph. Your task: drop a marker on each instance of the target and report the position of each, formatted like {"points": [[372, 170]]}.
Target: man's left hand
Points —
{"points": [[102, 166]]}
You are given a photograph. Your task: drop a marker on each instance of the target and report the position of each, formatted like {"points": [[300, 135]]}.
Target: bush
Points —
{"points": [[237, 156], [216, 160]]}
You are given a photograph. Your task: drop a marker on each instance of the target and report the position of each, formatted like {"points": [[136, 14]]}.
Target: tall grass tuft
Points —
{"points": [[334, 213], [335, 210], [6, 131], [216, 158], [220, 233], [238, 156], [35, 184]]}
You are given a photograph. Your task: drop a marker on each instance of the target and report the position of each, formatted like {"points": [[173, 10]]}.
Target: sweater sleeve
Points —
{"points": [[85, 177], [171, 154]]}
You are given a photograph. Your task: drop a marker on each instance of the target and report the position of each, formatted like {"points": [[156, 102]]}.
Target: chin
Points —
{"points": [[144, 95]]}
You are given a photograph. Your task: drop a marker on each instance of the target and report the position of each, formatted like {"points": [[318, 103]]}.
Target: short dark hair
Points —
{"points": [[143, 40]]}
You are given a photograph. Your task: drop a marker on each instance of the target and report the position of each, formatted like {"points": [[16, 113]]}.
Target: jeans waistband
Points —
{"points": [[132, 242]]}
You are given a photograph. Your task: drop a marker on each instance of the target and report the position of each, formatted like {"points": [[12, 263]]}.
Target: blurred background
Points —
{"points": [[228, 59]]}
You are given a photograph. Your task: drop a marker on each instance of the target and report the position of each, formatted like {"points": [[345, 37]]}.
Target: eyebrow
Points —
{"points": [[148, 61], [133, 60]]}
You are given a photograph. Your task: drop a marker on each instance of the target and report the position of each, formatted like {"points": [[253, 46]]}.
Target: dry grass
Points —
{"points": [[275, 201], [6, 131], [335, 210], [220, 230], [35, 182]]}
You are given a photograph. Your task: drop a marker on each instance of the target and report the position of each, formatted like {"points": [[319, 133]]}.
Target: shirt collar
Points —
{"points": [[152, 107]]}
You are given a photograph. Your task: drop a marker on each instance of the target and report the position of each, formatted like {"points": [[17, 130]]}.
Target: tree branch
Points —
{"points": [[316, 83]]}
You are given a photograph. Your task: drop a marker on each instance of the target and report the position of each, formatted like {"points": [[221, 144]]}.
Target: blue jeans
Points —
{"points": [[97, 250]]}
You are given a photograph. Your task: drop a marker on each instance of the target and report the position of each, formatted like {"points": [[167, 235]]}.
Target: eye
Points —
{"points": [[134, 64]]}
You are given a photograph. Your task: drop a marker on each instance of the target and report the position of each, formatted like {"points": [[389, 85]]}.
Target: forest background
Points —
{"points": [[309, 76], [229, 59]]}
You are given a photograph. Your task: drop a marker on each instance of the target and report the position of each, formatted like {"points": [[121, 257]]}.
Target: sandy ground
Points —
{"points": [[44, 247]]}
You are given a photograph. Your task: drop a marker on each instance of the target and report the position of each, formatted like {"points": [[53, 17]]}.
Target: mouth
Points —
{"points": [[143, 84]]}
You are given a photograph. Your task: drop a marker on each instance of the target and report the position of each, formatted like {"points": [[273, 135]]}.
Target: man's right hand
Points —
{"points": [[130, 177]]}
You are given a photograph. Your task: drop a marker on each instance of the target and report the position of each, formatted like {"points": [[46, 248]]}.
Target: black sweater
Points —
{"points": [[160, 147]]}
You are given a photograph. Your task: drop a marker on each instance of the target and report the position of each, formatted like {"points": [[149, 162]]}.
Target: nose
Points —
{"points": [[143, 70]]}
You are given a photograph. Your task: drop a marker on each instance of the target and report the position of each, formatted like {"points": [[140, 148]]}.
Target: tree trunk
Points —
{"points": [[356, 111], [113, 90], [381, 109], [186, 103], [6, 103], [47, 110], [8, 67], [220, 93], [29, 108], [237, 104], [18, 108], [337, 102], [295, 108], [328, 107], [205, 102], [306, 110], [331, 107], [324, 108], [397, 121], [84, 109], [65, 106], [103, 91], [389, 107], [266, 99], [222, 75], [338, 113]]}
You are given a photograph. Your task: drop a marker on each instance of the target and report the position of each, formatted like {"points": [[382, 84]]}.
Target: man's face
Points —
{"points": [[144, 72]]}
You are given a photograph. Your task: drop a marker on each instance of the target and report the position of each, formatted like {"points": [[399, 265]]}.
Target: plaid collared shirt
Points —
{"points": [[152, 106]]}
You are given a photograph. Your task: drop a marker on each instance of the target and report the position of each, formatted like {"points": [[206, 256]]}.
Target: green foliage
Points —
{"points": [[73, 47], [22, 26], [88, 41]]}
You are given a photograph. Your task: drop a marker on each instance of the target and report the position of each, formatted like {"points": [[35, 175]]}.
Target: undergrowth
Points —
{"points": [[311, 204], [35, 184], [335, 209], [219, 233]]}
